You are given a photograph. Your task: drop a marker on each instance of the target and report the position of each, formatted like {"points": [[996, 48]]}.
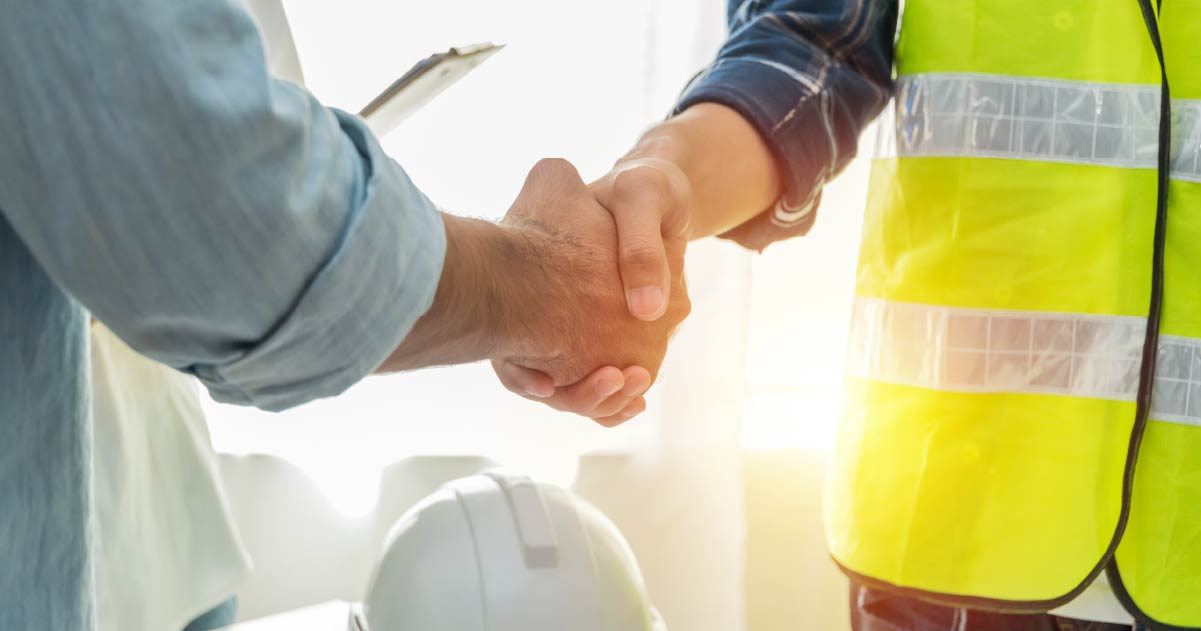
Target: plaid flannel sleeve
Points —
{"points": [[810, 75]]}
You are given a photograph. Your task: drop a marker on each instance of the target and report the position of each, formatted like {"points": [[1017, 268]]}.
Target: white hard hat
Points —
{"points": [[498, 552]]}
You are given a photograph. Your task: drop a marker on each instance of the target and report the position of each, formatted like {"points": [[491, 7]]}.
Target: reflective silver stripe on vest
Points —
{"points": [[989, 350], [998, 116]]}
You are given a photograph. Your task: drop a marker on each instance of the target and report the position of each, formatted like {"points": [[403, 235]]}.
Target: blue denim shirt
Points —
{"points": [[809, 75], [220, 221]]}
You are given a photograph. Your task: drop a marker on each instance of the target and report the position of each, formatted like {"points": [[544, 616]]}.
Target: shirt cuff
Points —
{"points": [[358, 307], [803, 159]]}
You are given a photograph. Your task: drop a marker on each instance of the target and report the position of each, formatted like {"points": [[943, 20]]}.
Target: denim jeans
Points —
{"points": [[45, 449], [875, 610], [220, 616]]}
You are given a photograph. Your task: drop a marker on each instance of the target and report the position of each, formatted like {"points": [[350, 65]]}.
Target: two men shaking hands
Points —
{"points": [[574, 294]]}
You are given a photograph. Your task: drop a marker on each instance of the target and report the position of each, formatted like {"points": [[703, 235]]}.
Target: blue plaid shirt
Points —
{"points": [[809, 75]]}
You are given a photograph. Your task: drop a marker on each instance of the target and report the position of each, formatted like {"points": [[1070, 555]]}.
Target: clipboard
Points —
{"points": [[424, 81]]}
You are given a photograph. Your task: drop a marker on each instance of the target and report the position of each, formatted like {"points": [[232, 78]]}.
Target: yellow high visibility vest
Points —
{"points": [[1024, 374]]}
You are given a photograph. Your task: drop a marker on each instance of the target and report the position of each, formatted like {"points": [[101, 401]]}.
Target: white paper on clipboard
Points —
{"points": [[424, 81]]}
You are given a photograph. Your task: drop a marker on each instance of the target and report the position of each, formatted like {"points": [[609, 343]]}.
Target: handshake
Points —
{"points": [[572, 295]]}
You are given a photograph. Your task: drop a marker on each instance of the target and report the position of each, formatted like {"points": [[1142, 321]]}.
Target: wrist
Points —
{"points": [[528, 284], [469, 282], [730, 170], [461, 324], [686, 140], [667, 146]]}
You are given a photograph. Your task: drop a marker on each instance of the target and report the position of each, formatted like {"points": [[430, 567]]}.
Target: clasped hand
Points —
{"points": [[607, 290]]}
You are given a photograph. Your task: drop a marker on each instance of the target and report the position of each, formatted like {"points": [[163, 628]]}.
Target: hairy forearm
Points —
{"points": [[463, 323], [540, 293], [733, 174]]}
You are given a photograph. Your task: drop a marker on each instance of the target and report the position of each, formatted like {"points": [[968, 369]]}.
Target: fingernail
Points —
{"points": [[541, 393], [645, 301], [608, 387]]}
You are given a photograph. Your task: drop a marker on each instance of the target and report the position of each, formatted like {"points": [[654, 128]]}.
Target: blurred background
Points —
{"points": [[718, 486]]}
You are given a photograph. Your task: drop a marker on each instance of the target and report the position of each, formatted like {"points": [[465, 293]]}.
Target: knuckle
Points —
{"points": [[603, 411], [552, 164], [639, 254], [506, 379], [609, 421], [644, 183], [553, 169], [587, 402], [683, 307], [678, 310]]}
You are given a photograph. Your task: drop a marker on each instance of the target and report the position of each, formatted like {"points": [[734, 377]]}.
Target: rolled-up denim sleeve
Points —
{"points": [[218, 220], [809, 75]]}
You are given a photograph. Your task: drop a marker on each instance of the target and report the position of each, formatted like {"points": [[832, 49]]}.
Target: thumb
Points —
{"points": [[648, 200]]}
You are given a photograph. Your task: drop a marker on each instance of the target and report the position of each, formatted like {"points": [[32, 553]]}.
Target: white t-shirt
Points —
{"points": [[165, 546], [1096, 602]]}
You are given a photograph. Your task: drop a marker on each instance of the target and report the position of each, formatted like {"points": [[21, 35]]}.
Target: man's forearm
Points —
{"points": [[463, 323], [538, 290], [733, 174]]}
